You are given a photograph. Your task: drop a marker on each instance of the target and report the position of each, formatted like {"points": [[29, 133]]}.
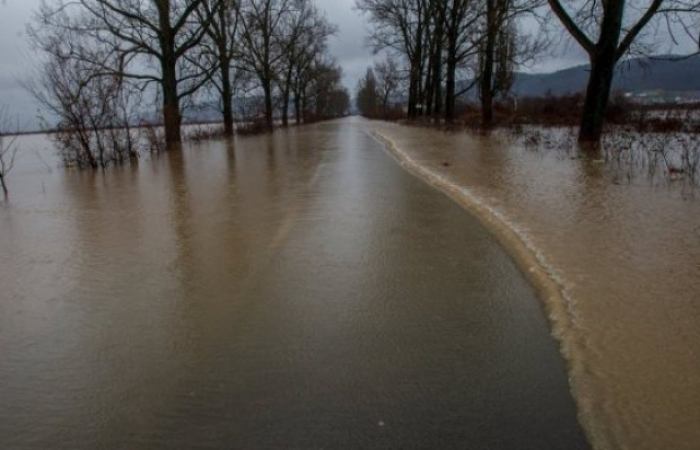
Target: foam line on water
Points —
{"points": [[550, 284]]}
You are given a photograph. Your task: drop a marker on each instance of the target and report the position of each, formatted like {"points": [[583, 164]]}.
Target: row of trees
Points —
{"points": [[443, 42], [103, 60], [448, 47], [378, 89]]}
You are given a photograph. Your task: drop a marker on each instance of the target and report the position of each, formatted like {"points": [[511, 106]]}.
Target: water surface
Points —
{"points": [[292, 291], [626, 251]]}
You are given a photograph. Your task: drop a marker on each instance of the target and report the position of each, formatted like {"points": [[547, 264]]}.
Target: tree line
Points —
{"points": [[103, 60], [443, 48]]}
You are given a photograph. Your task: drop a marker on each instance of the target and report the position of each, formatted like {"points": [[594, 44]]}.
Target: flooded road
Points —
{"points": [[295, 291], [627, 256]]}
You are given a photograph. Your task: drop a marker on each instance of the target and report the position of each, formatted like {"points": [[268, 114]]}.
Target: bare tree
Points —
{"points": [[368, 94], [502, 49], [151, 41], [388, 81], [94, 111], [435, 37], [8, 149], [263, 44], [435, 42], [401, 25], [328, 97], [303, 76], [280, 44], [306, 36], [463, 39], [220, 47], [608, 30]]}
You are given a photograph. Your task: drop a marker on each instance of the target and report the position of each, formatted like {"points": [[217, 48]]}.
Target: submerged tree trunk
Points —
{"points": [[171, 111], [603, 61], [304, 107], [86, 146], [267, 89], [3, 185], [227, 100], [596, 103], [603, 56], [169, 81]]}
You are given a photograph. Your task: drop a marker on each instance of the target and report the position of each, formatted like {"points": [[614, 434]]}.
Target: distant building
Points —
{"points": [[662, 97]]}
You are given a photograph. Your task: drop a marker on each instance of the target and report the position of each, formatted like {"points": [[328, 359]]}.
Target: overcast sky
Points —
{"points": [[348, 47], [16, 57]]}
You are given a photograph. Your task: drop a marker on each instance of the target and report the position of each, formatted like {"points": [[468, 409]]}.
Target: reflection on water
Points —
{"points": [[289, 291], [629, 258]]}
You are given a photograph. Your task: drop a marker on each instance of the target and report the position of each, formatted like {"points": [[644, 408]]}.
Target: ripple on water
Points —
{"points": [[625, 259]]}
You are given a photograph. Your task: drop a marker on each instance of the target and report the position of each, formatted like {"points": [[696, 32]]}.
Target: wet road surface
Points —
{"points": [[296, 291]]}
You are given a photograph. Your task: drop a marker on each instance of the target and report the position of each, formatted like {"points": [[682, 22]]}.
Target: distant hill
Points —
{"points": [[639, 75]]}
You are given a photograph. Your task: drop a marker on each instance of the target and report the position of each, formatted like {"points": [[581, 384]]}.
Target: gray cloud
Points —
{"points": [[348, 46], [16, 61]]}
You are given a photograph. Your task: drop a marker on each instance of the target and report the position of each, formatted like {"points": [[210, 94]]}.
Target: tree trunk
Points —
{"points": [[413, 92], [285, 108], [385, 104], [304, 105], [168, 61], [171, 115], [451, 79], [486, 81], [603, 62], [227, 100], [85, 144], [429, 94], [438, 63], [2, 184], [171, 102], [267, 88], [297, 108], [437, 85], [486, 100], [597, 96], [225, 66]]}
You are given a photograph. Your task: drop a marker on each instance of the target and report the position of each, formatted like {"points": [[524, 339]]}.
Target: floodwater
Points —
{"points": [[296, 291], [625, 251]]}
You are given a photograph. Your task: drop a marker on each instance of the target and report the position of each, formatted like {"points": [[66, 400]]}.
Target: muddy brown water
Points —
{"points": [[293, 291], [626, 253]]}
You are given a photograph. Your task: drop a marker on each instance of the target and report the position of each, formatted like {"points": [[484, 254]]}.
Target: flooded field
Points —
{"points": [[625, 252], [291, 291]]}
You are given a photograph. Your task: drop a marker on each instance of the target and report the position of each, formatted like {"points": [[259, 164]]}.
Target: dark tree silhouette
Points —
{"points": [[607, 31], [153, 41]]}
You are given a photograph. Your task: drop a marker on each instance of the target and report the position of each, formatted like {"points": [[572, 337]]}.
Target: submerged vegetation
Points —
{"points": [[660, 146], [120, 78], [108, 67], [453, 50]]}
